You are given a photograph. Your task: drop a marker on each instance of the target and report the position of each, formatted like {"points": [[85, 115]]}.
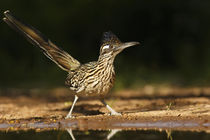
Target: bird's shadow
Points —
{"points": [[86, 109]]}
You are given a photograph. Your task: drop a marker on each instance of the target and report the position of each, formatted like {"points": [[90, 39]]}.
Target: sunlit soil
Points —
{"points": [[170, 108]]}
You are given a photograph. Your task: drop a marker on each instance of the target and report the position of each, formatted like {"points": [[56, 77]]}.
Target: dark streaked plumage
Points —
{"points": [[90, 79]]}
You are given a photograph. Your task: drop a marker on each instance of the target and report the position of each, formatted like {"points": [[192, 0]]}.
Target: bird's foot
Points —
{"points": [[69, 117], [114, 113]]}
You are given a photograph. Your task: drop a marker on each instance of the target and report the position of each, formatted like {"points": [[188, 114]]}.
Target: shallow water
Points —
{"points": [[104, 129], [106, 124], [103, 135]]}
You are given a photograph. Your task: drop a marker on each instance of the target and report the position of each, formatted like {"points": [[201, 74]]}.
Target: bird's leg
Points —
{"points": [[70, 112], [113, 112]]}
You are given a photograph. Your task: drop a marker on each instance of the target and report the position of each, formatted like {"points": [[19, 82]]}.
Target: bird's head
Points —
{"points": [[111, 45]]}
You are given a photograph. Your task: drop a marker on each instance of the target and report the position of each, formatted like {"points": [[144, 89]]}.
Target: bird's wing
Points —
{"points": [[57, 55]]}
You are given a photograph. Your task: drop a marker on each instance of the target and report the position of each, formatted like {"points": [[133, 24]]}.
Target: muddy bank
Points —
{"points": [[187, 111]]}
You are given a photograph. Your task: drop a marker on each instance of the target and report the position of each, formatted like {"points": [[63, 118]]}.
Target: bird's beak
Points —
{"points": [[126, 45]]}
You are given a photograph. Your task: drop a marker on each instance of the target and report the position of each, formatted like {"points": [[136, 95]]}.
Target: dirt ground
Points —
{"points": [[146, 105]]}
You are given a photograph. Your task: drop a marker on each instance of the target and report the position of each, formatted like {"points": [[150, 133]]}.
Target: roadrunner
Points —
{"points": [[90, 79]]}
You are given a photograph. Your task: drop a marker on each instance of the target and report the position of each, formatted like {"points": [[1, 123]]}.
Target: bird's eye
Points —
{"points": [[106, 47]]}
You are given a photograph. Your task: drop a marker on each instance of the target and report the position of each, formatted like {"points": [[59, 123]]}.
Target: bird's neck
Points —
{"points": [[105, 63], [106, 59]]}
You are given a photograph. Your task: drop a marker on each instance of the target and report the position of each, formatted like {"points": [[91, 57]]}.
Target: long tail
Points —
{"points": [[57, 55]]}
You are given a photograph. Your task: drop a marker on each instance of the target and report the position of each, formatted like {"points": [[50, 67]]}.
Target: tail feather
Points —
{"points": [[57, 55]]}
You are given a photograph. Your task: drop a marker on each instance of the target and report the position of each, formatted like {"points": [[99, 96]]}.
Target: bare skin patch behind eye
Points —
{"points": [[106, 47]]}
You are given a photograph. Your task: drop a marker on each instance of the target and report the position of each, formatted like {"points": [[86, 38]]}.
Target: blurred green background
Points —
{"points": [[175, 38]]}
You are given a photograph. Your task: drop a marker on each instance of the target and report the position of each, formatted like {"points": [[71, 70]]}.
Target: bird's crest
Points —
{"points": [[110, 38]]}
